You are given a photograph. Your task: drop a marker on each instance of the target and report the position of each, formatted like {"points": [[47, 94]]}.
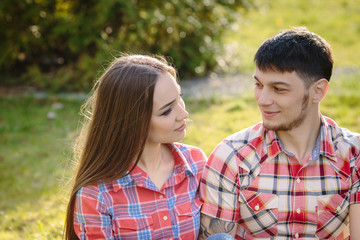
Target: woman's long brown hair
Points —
{"points": [[116, 124]]}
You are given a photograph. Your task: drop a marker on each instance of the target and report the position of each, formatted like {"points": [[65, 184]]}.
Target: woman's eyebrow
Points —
{"points": [[166, 105]]}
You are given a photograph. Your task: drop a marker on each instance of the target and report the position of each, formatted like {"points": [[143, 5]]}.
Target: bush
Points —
{"points": [[58, 44]]}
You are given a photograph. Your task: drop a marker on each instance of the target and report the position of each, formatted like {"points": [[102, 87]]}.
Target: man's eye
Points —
{"points": [[167, 112]]}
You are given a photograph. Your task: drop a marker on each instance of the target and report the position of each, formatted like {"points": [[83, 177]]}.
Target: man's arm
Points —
{"points": [[210, 226], [354, 221]]}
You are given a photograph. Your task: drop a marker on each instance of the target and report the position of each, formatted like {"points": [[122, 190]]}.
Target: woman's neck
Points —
{"points": [[158, 162], [152, 156]]}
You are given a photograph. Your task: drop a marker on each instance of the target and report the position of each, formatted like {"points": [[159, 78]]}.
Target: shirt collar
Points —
{"points": [[327, 147], [273, 144], [324, 144], [181, 166]]}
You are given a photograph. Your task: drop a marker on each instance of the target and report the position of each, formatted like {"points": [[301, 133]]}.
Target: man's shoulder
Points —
{"points": [[346, 145], [340, 135], [246, 135], [242, 138], [243, 149]]}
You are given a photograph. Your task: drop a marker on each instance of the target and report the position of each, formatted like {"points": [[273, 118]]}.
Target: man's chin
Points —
{"points": [[274, 127], [269, 126]]}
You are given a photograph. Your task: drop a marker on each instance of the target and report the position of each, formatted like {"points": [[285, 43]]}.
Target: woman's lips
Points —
{"points": [[181, 128]]}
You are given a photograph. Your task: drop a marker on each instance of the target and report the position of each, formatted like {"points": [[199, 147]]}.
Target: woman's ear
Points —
{"points": [[319, 90]]}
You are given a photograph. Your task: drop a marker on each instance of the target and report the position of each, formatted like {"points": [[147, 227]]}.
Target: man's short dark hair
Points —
{"points": [[298, 50]]}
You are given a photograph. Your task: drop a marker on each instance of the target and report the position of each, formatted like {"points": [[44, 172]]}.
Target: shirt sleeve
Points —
{"points": [[91, 220], [355, 187], [219, 187]]}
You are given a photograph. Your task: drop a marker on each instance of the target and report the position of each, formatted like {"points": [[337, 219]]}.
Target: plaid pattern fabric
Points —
{"points": [[134, 208], [252, 180]]}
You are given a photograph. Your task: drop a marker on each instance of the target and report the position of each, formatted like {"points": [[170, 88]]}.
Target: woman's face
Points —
{"points": [[168, 120]]}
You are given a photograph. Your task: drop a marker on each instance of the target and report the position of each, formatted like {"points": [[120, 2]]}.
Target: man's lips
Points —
{"points": [[269, 113]]}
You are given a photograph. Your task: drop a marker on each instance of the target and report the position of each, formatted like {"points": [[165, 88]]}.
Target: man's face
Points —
{"points": [[282, 99]]}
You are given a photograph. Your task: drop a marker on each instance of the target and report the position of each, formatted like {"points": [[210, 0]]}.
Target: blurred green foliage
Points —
{"points": [[60, 45]]}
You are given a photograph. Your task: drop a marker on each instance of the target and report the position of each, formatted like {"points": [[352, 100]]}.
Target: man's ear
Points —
{"points": [[319, 90]]}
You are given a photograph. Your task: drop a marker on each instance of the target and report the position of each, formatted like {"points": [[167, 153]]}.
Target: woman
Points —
{"points": [[132, 180]]}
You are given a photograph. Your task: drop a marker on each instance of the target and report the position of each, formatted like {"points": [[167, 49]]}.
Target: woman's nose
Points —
{"points": [[183, 114]]}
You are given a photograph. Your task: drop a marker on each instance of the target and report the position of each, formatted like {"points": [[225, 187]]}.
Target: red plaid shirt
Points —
{"points": [[252, 180], [134, 208]]}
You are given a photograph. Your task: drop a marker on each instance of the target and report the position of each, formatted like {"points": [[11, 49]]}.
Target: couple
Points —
{"points": [[295, 175]]}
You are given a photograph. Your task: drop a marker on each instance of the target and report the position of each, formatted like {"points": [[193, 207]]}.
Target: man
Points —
{"points": [[296, 174]]}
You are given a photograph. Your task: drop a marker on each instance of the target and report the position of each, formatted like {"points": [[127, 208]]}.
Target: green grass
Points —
{"points": [[342, 100], [33, 157], [214, 119], [35, 162], [35, 151], [338, 21]]}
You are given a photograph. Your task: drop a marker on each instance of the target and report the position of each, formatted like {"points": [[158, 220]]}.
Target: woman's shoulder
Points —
{"points": [[194, 157], [185, 147], [95, 191], [188, 151], [88, 192]]}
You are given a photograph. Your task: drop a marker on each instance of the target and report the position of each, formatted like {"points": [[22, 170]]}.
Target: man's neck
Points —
{"points": [[300, 141]]}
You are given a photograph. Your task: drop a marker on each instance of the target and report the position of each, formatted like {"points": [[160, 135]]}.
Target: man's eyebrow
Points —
{"points": [[273, 82], [280, 82], [168, 104]]}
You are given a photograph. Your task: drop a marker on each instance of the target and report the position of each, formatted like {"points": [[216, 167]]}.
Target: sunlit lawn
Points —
{"points": [[35, 151], [338, 21]]}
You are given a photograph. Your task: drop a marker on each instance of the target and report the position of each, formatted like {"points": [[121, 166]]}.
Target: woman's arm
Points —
{"points": [[91, 220]]}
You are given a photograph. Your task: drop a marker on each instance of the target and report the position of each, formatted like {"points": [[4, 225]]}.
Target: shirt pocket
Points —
{"points": [[188, 217], [332, 213], [259, 213], [188, 210], [128, 228]]}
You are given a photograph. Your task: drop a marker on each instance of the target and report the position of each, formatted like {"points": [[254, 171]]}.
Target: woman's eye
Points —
{"points": [[279, 89], [167, 112]]}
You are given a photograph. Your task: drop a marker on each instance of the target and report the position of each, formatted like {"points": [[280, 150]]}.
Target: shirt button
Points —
{"points": [[165, 218], [298, 210], [298, 180], [296, 235], [338, 208], [257, 207], [161, 196]]}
